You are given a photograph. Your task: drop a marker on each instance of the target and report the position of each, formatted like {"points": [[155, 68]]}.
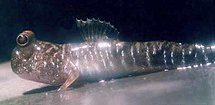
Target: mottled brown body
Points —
{"points": [[100, 58], [117, 59], [52, 63]]}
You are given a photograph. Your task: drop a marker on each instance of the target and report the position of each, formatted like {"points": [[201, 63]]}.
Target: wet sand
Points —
{"points": [[195, 86]]}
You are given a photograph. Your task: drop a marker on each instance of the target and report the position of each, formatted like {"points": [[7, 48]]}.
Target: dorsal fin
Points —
{"points": [[96, 30]]}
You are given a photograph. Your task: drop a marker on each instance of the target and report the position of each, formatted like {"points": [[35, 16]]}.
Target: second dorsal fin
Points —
{"points": [[93, 30]]}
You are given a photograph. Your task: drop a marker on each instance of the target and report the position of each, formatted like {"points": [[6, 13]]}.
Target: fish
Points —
{"points": [[100, 56]]}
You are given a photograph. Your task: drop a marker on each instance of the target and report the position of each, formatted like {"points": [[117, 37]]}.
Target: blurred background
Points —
{"points": [[186, 21]]}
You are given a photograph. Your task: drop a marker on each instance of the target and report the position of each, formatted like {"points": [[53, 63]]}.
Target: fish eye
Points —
{"points": [[24, 38]]}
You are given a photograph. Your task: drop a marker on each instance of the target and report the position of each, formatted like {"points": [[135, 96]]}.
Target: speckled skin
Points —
{"points": [[51, 63], [101, 59]]}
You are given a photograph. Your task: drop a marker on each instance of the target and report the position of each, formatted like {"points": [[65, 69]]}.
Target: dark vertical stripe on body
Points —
{"points": [[170, 54]]}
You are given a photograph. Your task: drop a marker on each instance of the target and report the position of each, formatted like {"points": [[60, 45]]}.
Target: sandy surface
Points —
{"points": [[194, 86], [11, 84]]}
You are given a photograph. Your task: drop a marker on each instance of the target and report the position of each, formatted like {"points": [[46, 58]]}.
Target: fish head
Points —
{"points": [[32, 60], [22, 52]]}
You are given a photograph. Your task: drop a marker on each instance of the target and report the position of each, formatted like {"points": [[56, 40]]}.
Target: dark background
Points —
{"points": [[186, 21]]}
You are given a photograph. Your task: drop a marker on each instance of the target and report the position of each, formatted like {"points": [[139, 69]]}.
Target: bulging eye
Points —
{"points": [[22, 40]]}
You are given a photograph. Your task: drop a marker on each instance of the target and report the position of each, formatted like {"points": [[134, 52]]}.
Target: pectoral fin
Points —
{"points": [[72, 77]]}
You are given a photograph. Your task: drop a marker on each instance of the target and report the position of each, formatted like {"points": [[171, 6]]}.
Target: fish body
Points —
{"points": [[100, 58]]}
